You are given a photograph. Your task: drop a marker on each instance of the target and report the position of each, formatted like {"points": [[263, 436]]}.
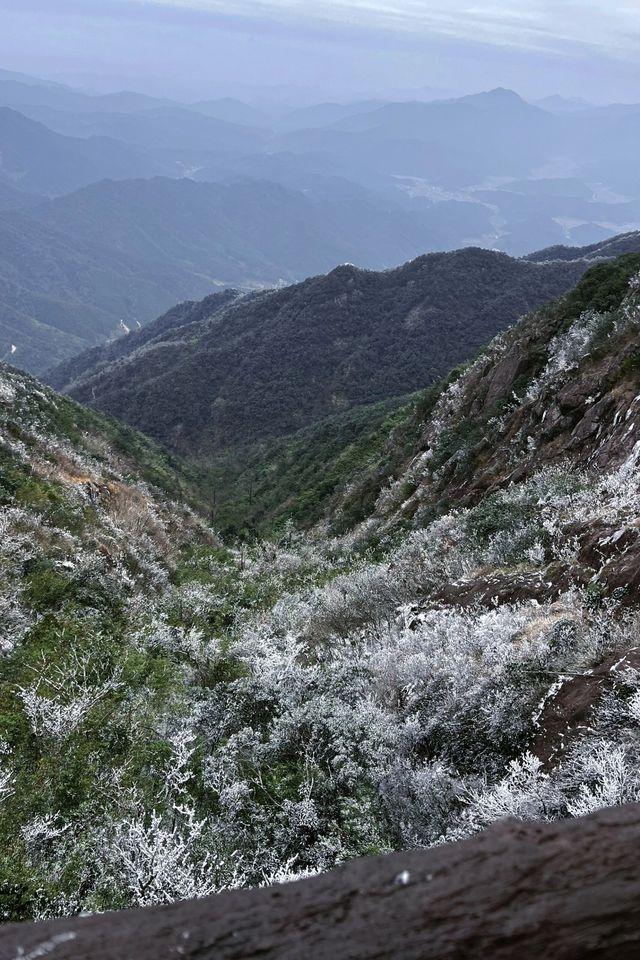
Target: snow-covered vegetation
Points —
{"points": [[179, 716]]}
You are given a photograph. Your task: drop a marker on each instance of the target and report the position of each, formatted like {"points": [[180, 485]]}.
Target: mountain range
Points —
{"points": [[40, 161], [224, 373], [81, 268], [452, 640], [113, 208]]}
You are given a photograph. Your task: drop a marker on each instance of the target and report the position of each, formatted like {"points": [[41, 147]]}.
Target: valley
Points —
{"points": [[319, 482], [255, 710], [115, 207]]}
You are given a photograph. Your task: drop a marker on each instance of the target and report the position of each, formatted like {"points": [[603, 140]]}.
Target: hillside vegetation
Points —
{"points": [[82, 268], [336, 469], [60, 294], [456, 641], [271, 363]]}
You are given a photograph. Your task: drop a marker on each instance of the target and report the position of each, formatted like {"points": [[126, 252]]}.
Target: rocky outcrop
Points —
{"points": [[560, 387], [568, 891], [568, 712], [500, 587]]}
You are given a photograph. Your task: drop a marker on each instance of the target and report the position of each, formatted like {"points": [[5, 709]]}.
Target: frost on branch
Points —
{"points": [[160, 859], [6, 782], [72, 692], [525, 793], [606, 774], [165, 855]]}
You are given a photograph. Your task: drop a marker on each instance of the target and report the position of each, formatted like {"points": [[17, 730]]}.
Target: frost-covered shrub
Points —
{"points": [[421, 802], [459, 674], [569, 348], [354, 720], [525, 792], [151, 859], [71, 693], [7, 392], [6, 781], [15, 620], [369, 596], [601, 774], [133, 512], [39, 835], [157, 633]]}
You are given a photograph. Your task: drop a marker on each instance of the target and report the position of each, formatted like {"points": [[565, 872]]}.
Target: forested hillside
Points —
{"points": [[115, 207], [82, 268], [310, 476], [224, 233], [456, 641], [60, 294], [43, 162], [271, 363]]}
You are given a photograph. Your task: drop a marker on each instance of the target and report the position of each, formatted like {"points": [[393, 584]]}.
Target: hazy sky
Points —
{"points": [[195, 48]]}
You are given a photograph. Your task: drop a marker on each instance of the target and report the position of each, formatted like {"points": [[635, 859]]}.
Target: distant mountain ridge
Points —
{"points": [[217, 375], [119, 253], [468, 150], [607, 249], [38, 160], [152, 201]]}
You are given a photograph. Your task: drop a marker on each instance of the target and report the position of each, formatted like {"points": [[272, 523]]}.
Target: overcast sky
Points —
{"points": [[201, 48]]}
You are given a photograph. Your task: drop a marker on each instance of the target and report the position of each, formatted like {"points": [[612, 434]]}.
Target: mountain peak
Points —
{"points": [[499, 96]]}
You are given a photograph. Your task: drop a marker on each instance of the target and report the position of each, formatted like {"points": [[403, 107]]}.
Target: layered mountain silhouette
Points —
{"points": [[173, 200], [83, 267]]}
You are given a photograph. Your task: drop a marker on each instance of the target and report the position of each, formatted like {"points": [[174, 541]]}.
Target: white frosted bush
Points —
{"points": [[73, 694], [525, 793], [156, 860], [606, 774]]}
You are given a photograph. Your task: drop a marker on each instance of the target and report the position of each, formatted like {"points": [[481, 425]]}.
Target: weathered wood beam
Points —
{"points": [[562, 891]]}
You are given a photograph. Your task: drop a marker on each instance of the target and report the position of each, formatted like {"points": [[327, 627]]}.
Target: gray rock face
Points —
{"points": [[567, 891]]}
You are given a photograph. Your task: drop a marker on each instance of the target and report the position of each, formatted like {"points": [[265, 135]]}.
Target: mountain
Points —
{"points": [[40, 161], [456, 143], [455, 642], [12, 198], [74, 270], [22, 92], [308, 476], [493, 148], [60, 293], [562, 105], [174, 130], [325, 114], [557, 388], [270, 363], [224, 233], [499, 171], [19, 89], [232, 111], [609, 249], [488, 169], [40, 313]]}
